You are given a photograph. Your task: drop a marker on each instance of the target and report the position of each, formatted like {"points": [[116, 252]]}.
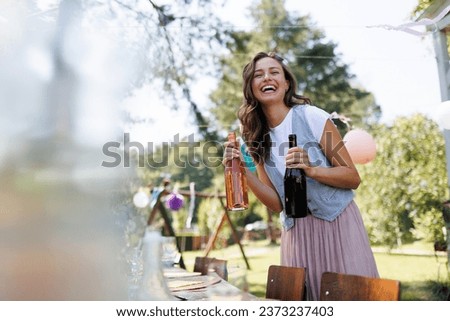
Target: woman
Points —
{"points": [[332, 237]]}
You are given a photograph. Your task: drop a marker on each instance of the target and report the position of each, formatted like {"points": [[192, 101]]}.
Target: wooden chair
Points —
{"points": [[346, 287], [203, 264], [285, 283]]}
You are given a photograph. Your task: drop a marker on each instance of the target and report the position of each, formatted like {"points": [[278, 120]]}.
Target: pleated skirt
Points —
{"points": [[320, 246]]}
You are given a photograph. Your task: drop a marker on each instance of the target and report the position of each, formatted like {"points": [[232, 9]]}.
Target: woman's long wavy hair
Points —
{"points": [[255, 129]]}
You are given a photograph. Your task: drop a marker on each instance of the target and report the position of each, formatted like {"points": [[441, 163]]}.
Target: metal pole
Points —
{"points": [[442, 60]]}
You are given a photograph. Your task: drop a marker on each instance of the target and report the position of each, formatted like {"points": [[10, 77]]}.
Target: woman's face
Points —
{"points": [[269, 84]]}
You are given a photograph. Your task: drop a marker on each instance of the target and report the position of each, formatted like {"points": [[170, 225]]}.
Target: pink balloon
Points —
{"points": [[360, 145]]}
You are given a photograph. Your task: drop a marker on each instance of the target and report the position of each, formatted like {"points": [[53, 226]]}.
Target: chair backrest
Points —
{"points": [[346, 287], [203, 264], [285, 283]]}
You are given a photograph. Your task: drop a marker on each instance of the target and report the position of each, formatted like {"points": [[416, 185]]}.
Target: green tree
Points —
{"points": [[320, 73], [402, 190], [174, 44], [422, 6], [184, 161]]}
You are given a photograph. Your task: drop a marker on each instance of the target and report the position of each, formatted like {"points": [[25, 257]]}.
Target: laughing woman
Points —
{"points": [[332, 237]]}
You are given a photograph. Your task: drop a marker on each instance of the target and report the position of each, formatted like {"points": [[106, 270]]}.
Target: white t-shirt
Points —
{"points": [[316, 119]]}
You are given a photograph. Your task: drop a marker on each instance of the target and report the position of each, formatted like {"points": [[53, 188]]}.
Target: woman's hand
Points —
{"points": [[297, 157], [260, 184], [230, 152]]}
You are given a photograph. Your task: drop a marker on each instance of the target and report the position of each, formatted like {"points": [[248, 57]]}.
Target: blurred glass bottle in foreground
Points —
{"points": [[60, 85], [235, 180], [154, 287], [296, 205]]}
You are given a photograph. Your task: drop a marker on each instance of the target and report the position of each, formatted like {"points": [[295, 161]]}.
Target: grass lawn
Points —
{"points": [[422, 277]]}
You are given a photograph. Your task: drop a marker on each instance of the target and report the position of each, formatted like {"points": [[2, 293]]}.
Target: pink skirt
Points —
{"points": [[321, 246]]}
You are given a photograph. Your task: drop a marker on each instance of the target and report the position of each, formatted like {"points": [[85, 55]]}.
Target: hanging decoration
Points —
{"points": [[409, 27], [175, 200], [360, 144], [190, 216], [141, 199]]}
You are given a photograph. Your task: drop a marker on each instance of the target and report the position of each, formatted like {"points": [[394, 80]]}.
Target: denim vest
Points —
{"points": [[324, 201]]}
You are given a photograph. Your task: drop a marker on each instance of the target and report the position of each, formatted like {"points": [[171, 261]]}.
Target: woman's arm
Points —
{"points": [[342, 174], [263, 189], [260, 184]]}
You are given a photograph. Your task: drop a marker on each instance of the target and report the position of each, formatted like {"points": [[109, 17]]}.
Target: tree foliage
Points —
{"points": [[422, 6], [183, 162], [174, 44], [402, 190], [320, 73]]}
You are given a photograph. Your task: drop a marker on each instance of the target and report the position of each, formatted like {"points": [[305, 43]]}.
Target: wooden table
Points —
{"points": [[192, 286]]}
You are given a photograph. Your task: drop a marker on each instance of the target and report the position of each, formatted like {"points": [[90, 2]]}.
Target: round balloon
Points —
{"points": [[360, 145], [175, 201], [141, 199]]}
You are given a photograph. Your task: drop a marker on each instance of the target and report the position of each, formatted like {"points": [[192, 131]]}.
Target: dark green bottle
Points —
{"points": [[295, 202]]}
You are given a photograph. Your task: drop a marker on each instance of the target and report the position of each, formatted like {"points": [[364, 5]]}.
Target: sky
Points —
{"points": [[397, 67]]}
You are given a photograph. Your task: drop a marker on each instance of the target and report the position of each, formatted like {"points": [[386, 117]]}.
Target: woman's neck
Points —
{"points": [[275, 114]]}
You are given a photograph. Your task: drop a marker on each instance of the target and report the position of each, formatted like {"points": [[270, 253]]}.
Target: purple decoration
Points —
{"points": [[175, 201]]}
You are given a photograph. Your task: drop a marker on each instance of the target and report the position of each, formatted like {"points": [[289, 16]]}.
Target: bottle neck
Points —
{"points": [[292, 140], [232, 138]]}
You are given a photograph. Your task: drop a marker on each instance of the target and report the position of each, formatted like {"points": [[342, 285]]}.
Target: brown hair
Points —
{"points": [[255, 129]]}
